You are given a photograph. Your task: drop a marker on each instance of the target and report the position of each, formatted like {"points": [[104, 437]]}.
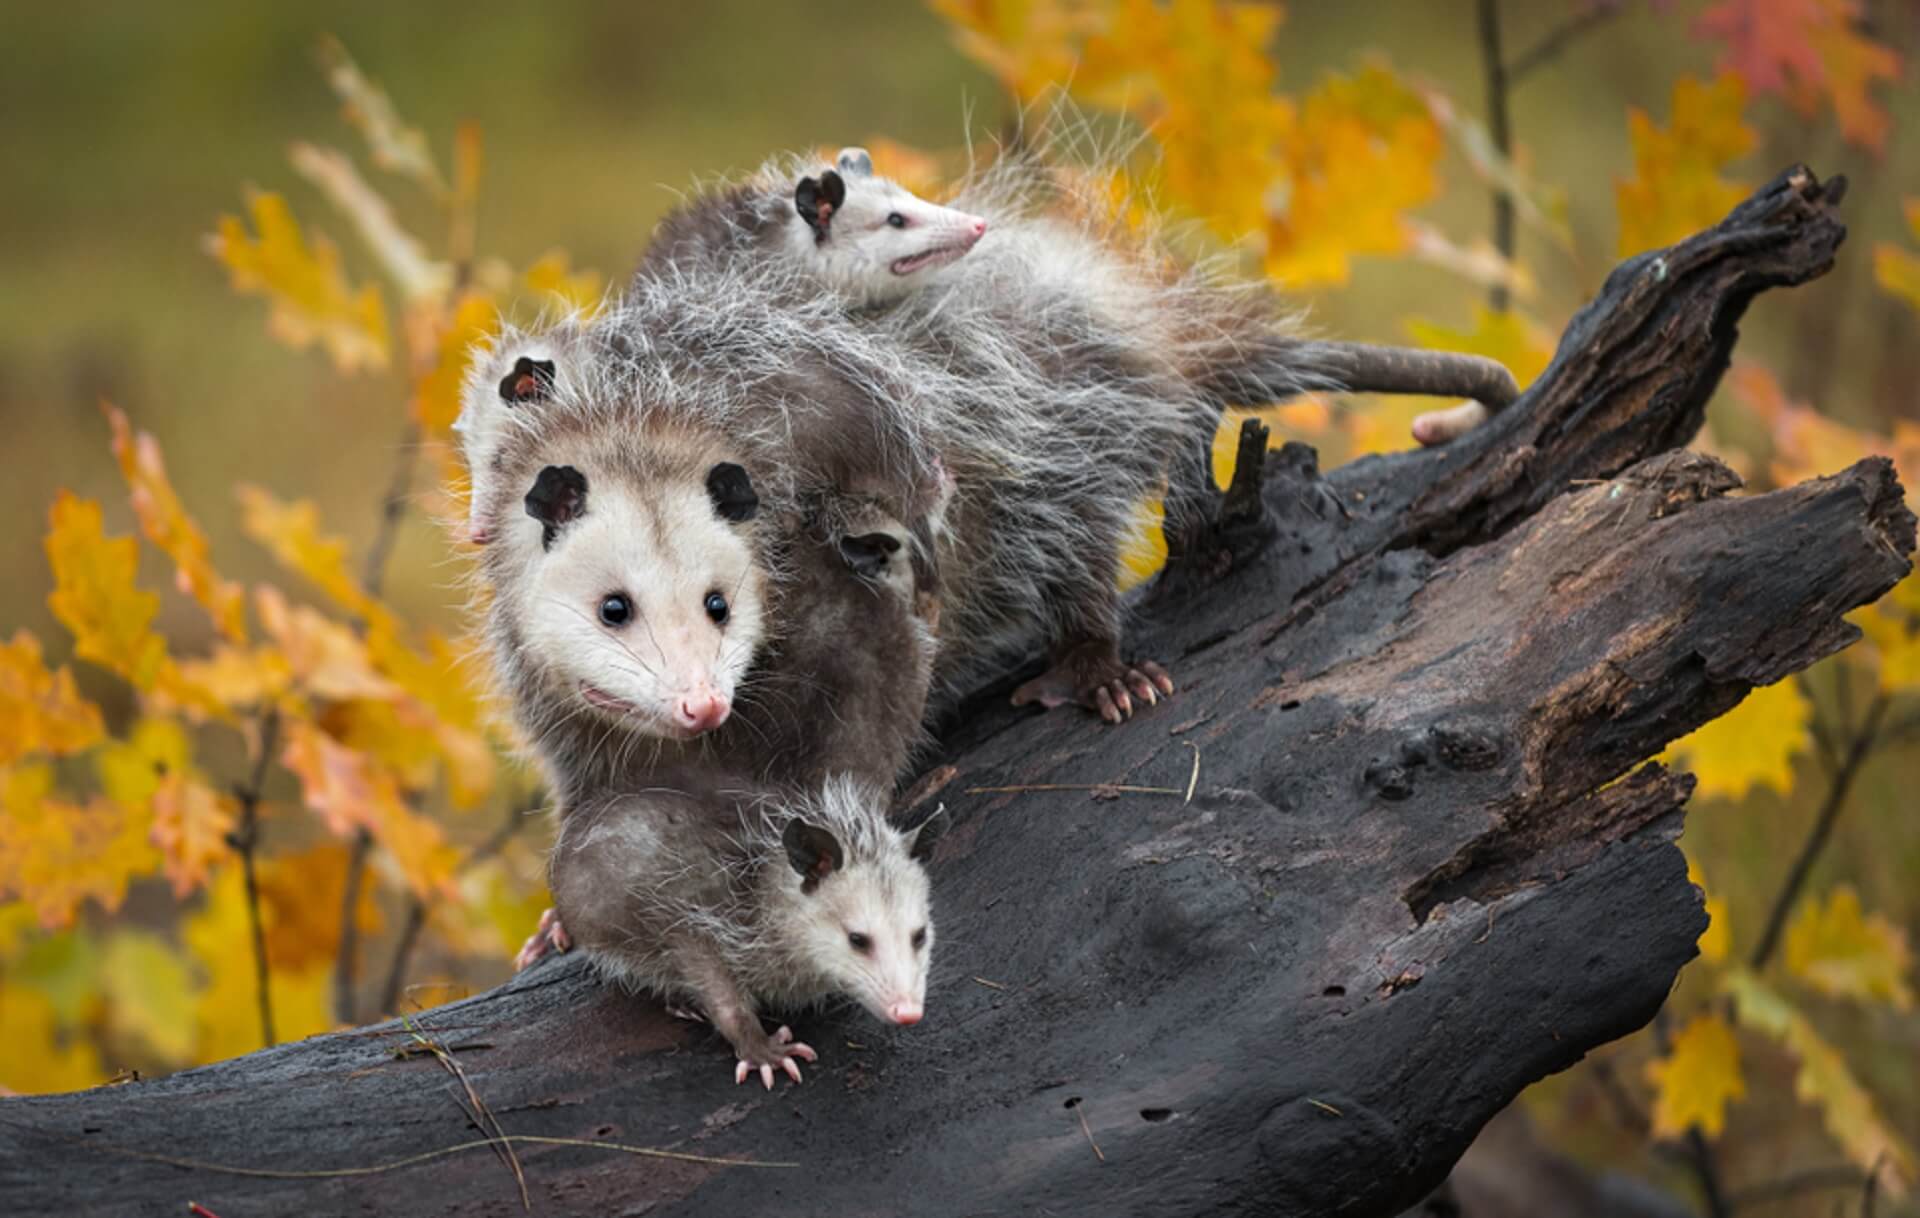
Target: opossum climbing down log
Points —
{"points": [[1067, 369], [722, 690]]}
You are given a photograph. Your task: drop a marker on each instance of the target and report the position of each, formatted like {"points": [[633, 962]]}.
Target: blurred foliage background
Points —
{"points": [[1782, 1082]]}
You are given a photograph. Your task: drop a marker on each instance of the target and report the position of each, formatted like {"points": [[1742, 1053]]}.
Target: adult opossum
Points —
{"points": [[1065, 370], [722, 689]]}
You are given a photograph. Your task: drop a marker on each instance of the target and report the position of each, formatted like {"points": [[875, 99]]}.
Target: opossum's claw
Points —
{"points": [[1160, 677], [1092, 675], [1142, 687], [551, 936], [779, 1050]]}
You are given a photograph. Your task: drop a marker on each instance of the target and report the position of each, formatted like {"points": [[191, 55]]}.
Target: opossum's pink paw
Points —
{"points": [[1091, 675], [1440, 426], [773, 1052], [550, 937]]}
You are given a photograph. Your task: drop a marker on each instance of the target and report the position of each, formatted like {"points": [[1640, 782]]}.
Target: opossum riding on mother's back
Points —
{"points": [[1066, 369]]}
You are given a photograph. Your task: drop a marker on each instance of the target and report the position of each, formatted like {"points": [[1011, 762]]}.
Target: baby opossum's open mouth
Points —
{"points": [[938, 256], [659, 725]]}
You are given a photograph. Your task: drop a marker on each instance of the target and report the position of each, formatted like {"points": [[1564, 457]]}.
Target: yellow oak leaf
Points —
{"points": [[1694, 1084], [436, 396], [149, 993], [326, 659], [1031, 45], [1893, 626], [41, 711], [448, 682], [40, 1056], [1894, 269], [300, 896], [1676, 188], [499, 904], [190, 825], [132, 770], [291, 533], [94, 594], [1358, 152], [1716, 942], [226, 1010], [1144, 551], [239, 677], [165, 521], [552, 276], [306, 290], [1843, 953], [1851, 1117], [1754, 744], [57, 856]]}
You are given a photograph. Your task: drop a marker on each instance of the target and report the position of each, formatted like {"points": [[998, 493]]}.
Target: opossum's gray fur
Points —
{"points": [[659, 876]]}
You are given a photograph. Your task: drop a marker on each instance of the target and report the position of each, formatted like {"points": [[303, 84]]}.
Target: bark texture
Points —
{"points": [[1424, 862]]}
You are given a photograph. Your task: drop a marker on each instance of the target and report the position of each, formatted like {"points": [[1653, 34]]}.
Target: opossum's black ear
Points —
{"points": [[813, 851], [732, 492], [530, 381], [867, 554], [558, 497], [816, 199], [854, 162], [928, 837]]}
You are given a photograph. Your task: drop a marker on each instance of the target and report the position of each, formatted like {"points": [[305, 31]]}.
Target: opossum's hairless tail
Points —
{"points": [[1284, 367], [1364, 368]]}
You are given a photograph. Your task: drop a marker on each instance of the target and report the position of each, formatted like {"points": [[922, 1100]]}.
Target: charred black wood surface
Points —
{"points": [[1424, 862]]}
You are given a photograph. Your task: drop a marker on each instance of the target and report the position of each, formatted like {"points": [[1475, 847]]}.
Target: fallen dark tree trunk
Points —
{"points": [[1418, 868]]}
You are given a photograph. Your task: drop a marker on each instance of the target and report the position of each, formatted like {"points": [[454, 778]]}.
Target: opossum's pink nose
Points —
{"points": [[702, 712], [979, 229], [905, 1013]]}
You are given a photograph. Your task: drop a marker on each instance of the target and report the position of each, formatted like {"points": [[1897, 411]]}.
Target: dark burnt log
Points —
{"points": [[1422, 865]]}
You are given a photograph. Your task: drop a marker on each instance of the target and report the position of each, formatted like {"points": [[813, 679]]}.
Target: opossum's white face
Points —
{"points": [[881, 240], [868, 923], [649, 607]]}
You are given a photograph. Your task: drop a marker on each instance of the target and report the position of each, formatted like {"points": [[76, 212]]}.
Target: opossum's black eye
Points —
{"points": [[896, 219], [616, 610], [919, 938], [717, 608], [859, 942]]}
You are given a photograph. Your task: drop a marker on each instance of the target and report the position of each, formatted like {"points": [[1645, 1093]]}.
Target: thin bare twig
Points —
{"points": [[346, 960], [1859, 747], [1560, 37], [1500, 131], [243, 840], [417, 909], [1115, 787]]}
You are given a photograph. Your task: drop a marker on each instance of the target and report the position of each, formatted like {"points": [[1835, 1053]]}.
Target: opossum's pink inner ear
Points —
{"points": [[867, 554], [816, 199], [927, 838], [558, 497], [814, 852], [732, 492], [530, 381]]}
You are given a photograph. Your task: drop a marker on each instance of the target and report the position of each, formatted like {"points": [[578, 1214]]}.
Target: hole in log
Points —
{"points": [[1155, 1114], [1334, 991], [1290, 704], [1072, 1102], [603, 1132]]}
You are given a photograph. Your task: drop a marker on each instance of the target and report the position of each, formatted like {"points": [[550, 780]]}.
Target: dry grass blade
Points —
{"points": [[476, 1109]]}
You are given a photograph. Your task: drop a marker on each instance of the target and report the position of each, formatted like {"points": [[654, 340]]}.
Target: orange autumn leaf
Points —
{"points": [[1676, 188], [57, 856], [41, 711], [291, 533], [553, 280], [300, 896], [350, 791], [238, 677], [448, 686], [1358, 153], [305, 288], [190, 825], [165, 521], [1807, 444], [1031, 45], [436, 396], [94, 594], [326, 659], [1805, 50]]}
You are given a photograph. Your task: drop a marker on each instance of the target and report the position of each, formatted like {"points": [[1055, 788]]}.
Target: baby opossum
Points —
{"points": [[736, 899], [848, 230], [1065, 370]]}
